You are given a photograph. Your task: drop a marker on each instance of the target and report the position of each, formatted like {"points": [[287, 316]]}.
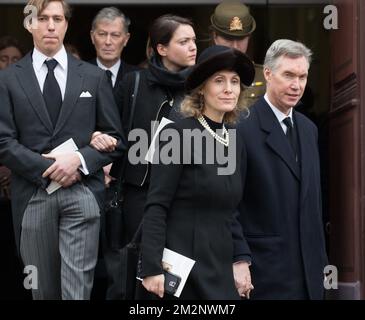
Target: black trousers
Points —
{"points": [[134, 203], [121, 270]]}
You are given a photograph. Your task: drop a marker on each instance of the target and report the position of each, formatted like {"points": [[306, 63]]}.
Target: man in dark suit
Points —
{"points": [[109, 35], [47, 98], [280, 212]]}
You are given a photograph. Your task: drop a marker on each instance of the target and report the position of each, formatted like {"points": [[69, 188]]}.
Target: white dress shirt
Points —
{"points": [[280, 115], [60, 72], [114, 69]]}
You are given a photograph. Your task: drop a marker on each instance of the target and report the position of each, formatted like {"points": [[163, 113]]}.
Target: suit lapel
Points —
{"points": [[306, 154], [72, 93], [28, 81], [120, 74], [276, 139]]}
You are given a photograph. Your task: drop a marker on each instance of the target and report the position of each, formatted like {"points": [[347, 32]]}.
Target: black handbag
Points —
{"points": [[114, 220]]}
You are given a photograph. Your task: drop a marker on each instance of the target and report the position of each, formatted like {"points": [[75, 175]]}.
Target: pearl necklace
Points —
{"points": [[224, 141]]}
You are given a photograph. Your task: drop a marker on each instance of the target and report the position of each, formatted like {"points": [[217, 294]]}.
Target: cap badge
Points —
{"points": [[235, 24]]}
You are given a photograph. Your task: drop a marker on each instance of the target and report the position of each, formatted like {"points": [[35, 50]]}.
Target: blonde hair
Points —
{"points": [[193, 105]]}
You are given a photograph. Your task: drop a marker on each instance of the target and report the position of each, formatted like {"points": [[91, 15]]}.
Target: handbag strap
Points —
{"points": [[134, 98], [137, 237]]}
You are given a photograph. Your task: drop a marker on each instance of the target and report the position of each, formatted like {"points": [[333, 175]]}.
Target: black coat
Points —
{"points": [[27, 131], [160, 93], [189, 210], [280, 211]]}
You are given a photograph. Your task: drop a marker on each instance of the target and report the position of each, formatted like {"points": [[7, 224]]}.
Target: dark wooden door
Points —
{"points": [[346, 150]]}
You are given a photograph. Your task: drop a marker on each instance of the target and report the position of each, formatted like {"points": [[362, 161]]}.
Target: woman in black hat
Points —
{"points": [[190, 202]]}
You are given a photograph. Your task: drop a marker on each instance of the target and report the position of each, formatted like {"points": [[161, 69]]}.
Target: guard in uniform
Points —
{"points": [[231, 26]]}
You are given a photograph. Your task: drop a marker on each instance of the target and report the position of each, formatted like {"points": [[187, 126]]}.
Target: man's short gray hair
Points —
{"points": [[111, 13], [288, 48]]}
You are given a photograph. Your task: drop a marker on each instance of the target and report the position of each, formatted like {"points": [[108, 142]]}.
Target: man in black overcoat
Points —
{"points": [[280, 212]]}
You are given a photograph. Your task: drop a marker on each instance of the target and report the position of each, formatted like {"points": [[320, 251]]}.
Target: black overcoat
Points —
{"points": [[280, 212]]}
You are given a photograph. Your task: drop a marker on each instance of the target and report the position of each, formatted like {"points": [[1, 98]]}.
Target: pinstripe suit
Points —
{"points": [[56, 233]]}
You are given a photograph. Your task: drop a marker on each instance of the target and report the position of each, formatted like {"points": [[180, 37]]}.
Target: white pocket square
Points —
{"points": [[85, 94]]}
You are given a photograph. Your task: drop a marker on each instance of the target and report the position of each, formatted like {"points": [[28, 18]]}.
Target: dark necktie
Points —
{"points": [[290, 135], [52, 93], [109, 74]]}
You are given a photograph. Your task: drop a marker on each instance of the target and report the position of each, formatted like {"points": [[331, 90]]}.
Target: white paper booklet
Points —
{"points": [[151, 149], [179, 265], [176, 264], [68, 146]]}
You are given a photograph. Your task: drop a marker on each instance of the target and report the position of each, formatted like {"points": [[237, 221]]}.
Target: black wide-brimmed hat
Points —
{"points": [[216, 58]]}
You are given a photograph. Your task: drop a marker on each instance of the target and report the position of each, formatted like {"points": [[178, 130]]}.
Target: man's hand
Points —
{"points": [[64, 169], [107, 177], [5, 175], [155, 284], [103, 142], [72, 180], [242, 278]]}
